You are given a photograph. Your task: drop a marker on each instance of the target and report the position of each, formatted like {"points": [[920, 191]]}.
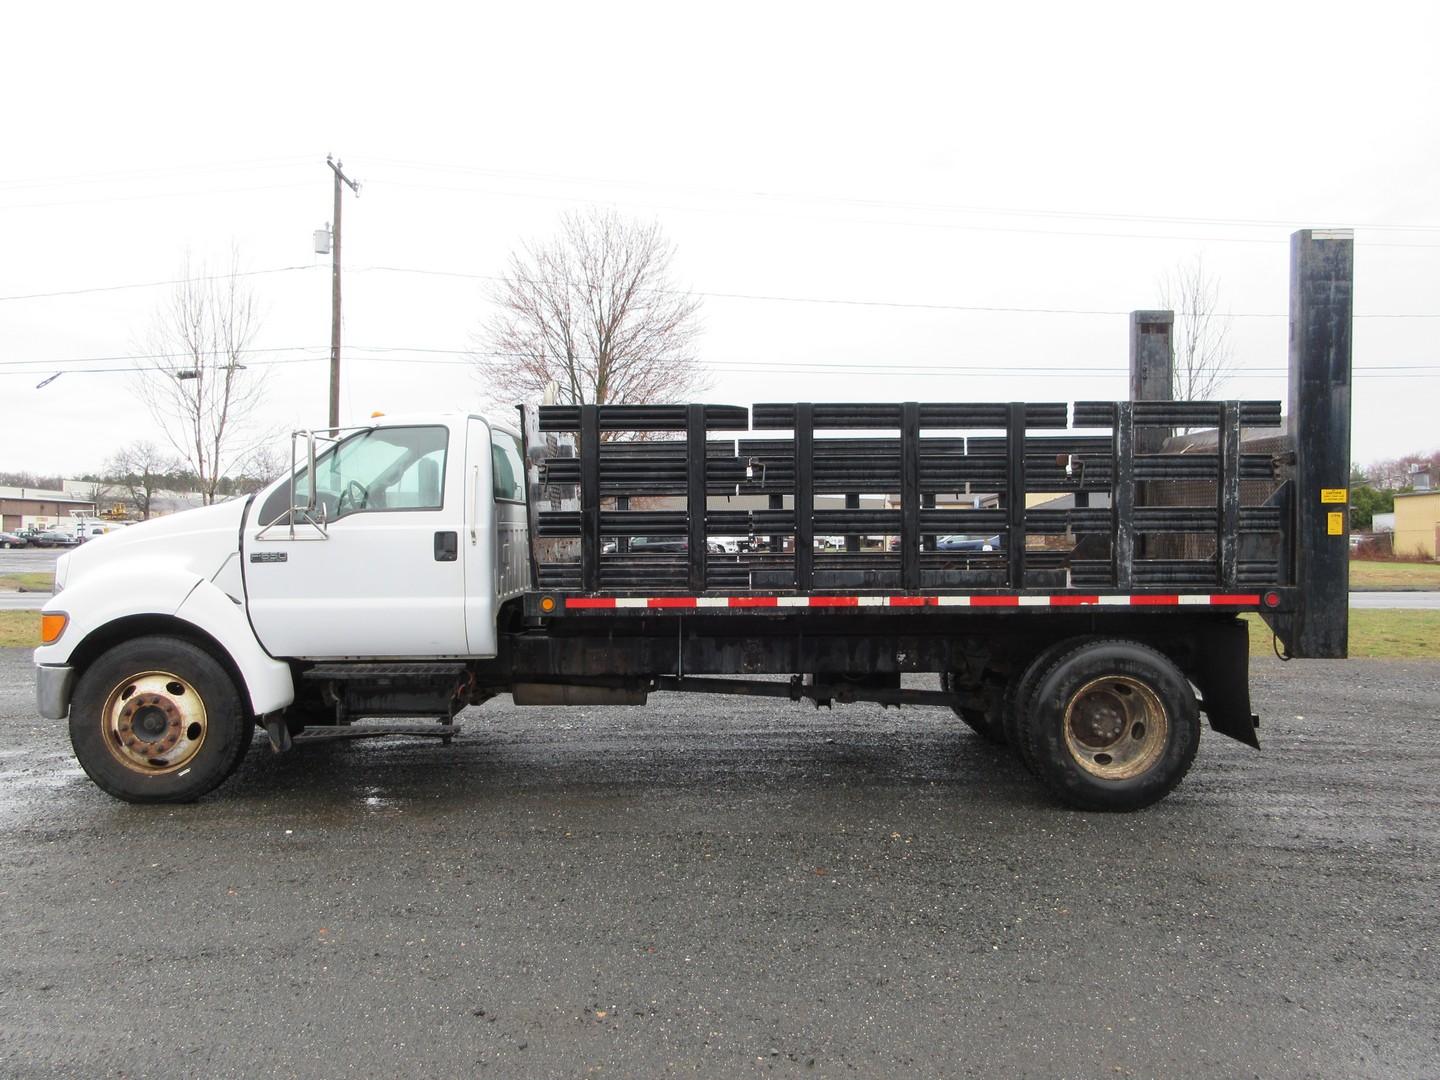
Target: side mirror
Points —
{"points": [[309, 469], [309, 474]]}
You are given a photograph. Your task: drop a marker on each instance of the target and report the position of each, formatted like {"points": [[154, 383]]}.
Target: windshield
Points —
{"points": [[400, 468]]}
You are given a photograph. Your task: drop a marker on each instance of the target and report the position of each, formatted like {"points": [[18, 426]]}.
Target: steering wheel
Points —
{"points": [[354, 496]]}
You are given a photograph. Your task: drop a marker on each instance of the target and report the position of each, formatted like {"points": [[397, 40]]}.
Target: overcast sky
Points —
{"points": [[860, 180]]}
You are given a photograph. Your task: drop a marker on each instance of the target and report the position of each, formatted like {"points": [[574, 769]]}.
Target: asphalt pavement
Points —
{"points": [[716, 887], [25, 560]]}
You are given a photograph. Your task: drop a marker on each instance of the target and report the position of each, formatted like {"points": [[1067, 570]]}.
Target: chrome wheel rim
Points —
{"points": [[154, 722], [1116, 727]]}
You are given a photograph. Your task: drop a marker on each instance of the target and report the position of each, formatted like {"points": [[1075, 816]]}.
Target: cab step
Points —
{"points": [[442, 731], [398, 692], [362, 672]]}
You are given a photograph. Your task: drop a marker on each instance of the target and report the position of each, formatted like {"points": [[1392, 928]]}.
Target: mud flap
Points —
{"points": [[279, 732], [1222, 672]]}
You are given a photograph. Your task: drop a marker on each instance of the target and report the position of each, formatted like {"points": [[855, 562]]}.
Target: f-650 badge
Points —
{"points": [[268, 556]]}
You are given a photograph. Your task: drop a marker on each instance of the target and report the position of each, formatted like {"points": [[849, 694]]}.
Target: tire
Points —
{"points": [[5, 545], [1113, 725], [1019, 695], [984, 722], [158, 720]]}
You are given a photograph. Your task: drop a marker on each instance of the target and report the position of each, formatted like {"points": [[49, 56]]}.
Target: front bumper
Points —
{"points": [[53, 683]]}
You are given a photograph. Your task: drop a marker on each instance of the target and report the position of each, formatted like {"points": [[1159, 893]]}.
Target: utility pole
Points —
{"points": [[337, 168]]}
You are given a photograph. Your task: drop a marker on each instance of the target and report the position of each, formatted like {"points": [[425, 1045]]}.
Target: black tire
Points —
{"points": [[1019, 697], [158, 720], [1112, 725], [987, 723]]}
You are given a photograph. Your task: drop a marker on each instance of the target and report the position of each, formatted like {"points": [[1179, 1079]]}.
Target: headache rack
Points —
{"points": [[915, 499]]}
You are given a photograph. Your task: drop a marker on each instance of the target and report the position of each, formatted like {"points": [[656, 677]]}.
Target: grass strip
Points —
{"points": [[19, 628], [27, 582], [1374, 635], [1366, 574]]}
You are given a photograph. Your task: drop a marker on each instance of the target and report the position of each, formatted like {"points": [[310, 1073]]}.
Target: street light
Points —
{"points": [[194, 373]]}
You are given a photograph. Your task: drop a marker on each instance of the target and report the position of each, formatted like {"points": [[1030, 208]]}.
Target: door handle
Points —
{"points": [[447, 546]]}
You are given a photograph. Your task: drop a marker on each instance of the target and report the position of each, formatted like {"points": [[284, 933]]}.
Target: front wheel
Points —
{"points": [[158, 719], [1112, 725]]}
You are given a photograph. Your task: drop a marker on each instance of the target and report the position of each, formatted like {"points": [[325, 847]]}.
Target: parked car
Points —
{"points": [[660, 545], [970, 543], [13, 540], [55, 538], [91, 529]]}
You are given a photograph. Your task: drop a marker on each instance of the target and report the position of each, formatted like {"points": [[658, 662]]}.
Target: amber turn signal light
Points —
{"points": [[547, 603], [52, 625]]}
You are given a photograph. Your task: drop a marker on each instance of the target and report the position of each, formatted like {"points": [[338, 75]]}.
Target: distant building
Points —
{"points": [[40, 508], [1417, 522]]}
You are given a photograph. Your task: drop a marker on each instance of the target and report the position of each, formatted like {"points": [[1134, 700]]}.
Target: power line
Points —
{"points": [[900, 304], [122, 175], [713, 294], [927, 225], [261, 164], [141, 196], [462, 358], [187, 355], [157, 284], [949, 208]]}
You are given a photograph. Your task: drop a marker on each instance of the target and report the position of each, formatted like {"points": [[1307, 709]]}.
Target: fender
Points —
{"points": [[130, 589]]}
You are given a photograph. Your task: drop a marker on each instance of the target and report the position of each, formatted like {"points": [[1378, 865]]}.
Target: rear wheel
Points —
{"points": [[1112, 725], [158, 719], [1020, 694]]}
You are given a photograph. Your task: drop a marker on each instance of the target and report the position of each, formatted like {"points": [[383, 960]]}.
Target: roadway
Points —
{"points": [[735, 887]]}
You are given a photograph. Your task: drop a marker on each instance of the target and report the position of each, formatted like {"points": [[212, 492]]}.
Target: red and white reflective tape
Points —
{"points": [[979, 600]]}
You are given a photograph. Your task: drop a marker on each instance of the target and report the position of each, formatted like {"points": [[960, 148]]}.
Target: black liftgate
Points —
{"points": [[910, 493]]}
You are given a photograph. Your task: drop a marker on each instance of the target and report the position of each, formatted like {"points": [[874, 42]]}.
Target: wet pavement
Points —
{"points": [[719, 888]]}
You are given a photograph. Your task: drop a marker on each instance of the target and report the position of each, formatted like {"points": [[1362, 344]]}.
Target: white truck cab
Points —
{"points": [[397, 540]]}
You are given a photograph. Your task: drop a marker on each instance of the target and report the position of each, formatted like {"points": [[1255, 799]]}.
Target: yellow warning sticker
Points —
{"points": [[1334, 495], [1335, 524]]}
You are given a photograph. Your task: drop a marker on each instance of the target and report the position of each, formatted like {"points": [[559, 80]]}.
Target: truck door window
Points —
{"points": [[508, 467], [400, 468]]}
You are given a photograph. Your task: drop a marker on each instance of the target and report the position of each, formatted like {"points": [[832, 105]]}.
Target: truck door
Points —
{"points": [[497, 565], [382, 576]]}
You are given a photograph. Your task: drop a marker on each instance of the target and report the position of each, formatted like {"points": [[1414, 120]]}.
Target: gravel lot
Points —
{"points": [[714, 887]]}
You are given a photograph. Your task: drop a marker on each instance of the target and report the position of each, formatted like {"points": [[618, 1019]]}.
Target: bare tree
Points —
{"points": [[1203, 356], [98, 491], [194, 380], [30, 480], [267, 461], [1393, 474], [140, 468], [595, 311]]}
